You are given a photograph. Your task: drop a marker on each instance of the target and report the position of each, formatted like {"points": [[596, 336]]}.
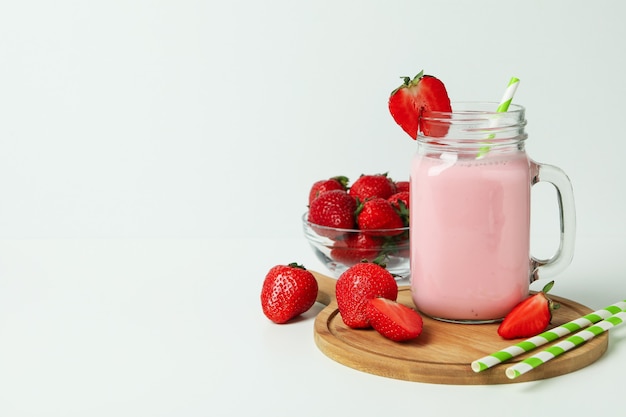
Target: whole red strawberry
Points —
{"points": [[288, 291], [393, 320], [334, 208], [378, 213], [401, 197], [357, 285], [400, 202], [339, 182], [403, 186], [412, 98], [356, 247], [530, 317], [372, 186]]}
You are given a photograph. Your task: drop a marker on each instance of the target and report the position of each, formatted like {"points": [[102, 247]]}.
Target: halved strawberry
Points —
{"points": [[393, 320], [529, 317], [412, 98]]}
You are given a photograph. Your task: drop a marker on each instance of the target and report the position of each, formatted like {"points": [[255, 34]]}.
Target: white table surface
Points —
{"points": [[174, 327]]}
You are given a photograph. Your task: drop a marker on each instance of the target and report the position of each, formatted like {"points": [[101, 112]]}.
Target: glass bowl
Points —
{"points": [[338, 249]]}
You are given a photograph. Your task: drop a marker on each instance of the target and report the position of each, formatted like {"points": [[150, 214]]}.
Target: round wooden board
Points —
{"points": [[442, 354]]}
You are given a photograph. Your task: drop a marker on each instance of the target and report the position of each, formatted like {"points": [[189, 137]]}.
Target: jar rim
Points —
{"points": [[472, 108], [473, 121]]}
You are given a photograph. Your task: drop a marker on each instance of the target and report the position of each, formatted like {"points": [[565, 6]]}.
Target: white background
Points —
{"points": [[129, 118], [127, 127]]}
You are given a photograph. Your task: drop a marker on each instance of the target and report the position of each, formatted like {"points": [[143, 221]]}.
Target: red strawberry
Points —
{"points": [[359, 283], [371, 186], [335, 183], [400, 202], [402, 196], [355, 248], [403, 186], [414, 96], [288, 291], [530, 317], [378, 213], [393, 320], [334, 208]]}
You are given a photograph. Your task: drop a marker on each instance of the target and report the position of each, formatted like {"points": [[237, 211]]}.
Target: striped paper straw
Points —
{"points": [[546, 337], [562, 347], [507, 97]]}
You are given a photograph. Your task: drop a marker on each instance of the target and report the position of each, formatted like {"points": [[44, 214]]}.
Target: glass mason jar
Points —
{"points": [[470, 214]]}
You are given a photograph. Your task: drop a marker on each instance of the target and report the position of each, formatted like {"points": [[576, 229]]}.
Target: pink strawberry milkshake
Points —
{"points": [[470, 234]]}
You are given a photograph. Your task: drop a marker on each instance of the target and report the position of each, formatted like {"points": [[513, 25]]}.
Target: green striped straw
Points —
{"points": [[507, 97], [551, 335], [570, 343]]}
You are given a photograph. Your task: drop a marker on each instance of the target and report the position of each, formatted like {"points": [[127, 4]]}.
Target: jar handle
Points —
{"points": [[542, 268]]}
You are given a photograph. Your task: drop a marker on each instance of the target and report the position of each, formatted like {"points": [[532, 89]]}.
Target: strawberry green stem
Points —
{"points": [[547, 287]]}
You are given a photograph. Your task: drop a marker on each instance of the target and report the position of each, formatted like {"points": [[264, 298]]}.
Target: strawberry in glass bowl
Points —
{"points": [[367, 221]]}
